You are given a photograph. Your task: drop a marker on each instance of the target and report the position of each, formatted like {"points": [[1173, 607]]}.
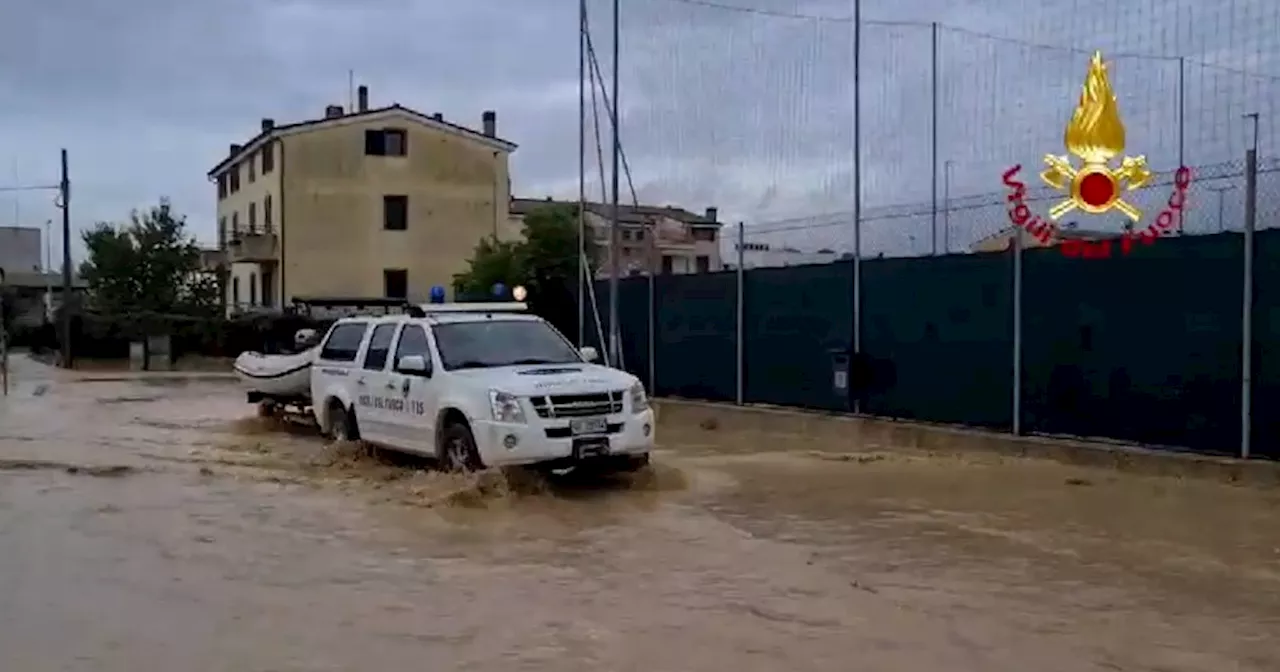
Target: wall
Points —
{"points": [[243, 275], [20, 249], [252, 192], [1143, 348], [334, 242]]}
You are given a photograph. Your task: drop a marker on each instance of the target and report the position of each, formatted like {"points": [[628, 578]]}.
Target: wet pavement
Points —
{"points": [[157, 524]]}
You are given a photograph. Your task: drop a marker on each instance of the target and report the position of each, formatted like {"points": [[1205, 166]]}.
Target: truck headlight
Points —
{"points": [[505, 407], [639, 400]]}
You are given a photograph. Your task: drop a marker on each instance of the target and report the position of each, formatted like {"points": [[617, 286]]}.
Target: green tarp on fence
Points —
{"points": [[1144, 347]]}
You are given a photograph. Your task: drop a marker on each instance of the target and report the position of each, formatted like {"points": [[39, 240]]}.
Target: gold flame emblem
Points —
{"points": [[1095, 135]]}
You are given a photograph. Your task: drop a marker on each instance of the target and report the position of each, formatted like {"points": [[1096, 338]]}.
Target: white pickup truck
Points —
{"points": [[478, 385]]}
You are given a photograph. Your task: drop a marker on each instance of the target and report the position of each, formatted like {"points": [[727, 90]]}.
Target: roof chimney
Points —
{"points": [[362, 98], [490, 122], [332, 111], [437, 116], [235, 149], [712, 213], [267, 124]]}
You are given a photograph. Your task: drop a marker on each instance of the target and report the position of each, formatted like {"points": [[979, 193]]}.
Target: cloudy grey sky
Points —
{"points": [[748, 112]]}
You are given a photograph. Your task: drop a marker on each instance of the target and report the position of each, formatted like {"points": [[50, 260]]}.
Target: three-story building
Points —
{"points": [[383, 202]]}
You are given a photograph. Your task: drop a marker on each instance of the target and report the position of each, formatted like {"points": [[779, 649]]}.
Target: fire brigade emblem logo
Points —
{"points": [[1095, 136]]}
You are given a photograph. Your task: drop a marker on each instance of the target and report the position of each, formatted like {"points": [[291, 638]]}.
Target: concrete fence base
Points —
{"points": [[801, 430]]}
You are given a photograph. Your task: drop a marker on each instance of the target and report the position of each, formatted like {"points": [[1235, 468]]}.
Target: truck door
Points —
{"points": [[334, 369], [375, 398], [417, 419]]}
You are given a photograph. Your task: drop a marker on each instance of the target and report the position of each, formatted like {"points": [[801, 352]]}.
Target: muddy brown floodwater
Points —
{"points": [[156, 524]]}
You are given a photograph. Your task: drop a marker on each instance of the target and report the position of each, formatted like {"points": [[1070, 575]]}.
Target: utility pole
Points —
{"points": [[62, 201], [64, 190]]}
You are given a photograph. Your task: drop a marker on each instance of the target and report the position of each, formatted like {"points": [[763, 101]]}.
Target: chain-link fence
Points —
{"points": [[750, 107]]}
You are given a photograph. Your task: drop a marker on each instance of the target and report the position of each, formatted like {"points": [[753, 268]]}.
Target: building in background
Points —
{"points": [[654, 239], [1003, 239], [383, 202], [764, 255], [21, 249], [37, 290]]}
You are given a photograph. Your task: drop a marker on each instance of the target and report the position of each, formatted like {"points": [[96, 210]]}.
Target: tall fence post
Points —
{"points": [[653, 323], [1246, 310], [741, 333], [583, 277], [1182, 125], [933, 132], [946, 206], [857, 195], [1017, 331]]}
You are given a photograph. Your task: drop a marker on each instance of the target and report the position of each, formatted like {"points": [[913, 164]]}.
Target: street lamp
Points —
{"points": [[1221, 191]]}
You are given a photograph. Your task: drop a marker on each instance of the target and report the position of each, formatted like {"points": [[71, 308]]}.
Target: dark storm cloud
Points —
{"points": [[747, 112], [147, 95]]}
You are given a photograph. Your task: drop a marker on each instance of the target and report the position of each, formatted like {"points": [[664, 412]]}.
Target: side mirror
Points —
{"points": [[414, 365], [590, 354]]}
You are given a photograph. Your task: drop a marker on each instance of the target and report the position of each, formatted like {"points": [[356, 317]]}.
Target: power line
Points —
{"points": [[34, 187], [910, 210]]}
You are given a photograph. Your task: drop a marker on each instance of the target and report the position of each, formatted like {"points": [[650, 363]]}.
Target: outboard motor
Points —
{"points": [[304, 339]]}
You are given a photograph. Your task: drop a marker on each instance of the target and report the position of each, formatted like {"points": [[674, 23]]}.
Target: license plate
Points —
{"points": [[581, 426], [587, 448]]}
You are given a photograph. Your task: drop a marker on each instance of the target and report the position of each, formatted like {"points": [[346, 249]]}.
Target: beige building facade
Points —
{"points": [[384, 202], [654, 239]]}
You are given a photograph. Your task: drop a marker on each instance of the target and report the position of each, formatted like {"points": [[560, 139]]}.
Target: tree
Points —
{"points": [[494, 261], [148, 265], [545, 262], [551, 250]]}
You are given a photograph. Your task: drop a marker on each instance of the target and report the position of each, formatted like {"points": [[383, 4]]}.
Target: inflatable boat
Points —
{"points": [[276, 375], [279, 376]]}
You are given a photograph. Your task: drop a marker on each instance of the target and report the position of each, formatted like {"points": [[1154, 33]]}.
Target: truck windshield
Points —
{"points": [[475, 345]]}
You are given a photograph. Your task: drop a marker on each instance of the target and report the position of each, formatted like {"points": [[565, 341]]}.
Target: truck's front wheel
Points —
{"points": [[458, 449], [342, 424]]}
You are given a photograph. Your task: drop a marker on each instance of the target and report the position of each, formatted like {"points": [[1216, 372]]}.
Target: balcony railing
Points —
{"points": [[254, 245]]}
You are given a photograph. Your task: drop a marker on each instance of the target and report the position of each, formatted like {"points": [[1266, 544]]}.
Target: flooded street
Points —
{"points": [[157, 524]]}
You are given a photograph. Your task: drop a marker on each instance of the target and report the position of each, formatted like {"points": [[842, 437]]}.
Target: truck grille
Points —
{"points": [[577, 405]]}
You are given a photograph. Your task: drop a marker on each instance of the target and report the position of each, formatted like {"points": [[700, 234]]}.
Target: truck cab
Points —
{"points": [[478, 386]]}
